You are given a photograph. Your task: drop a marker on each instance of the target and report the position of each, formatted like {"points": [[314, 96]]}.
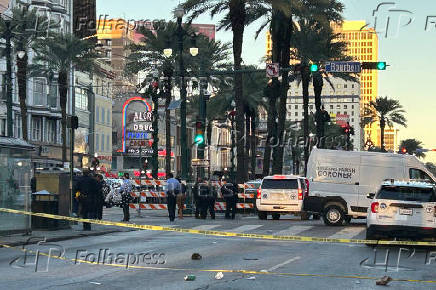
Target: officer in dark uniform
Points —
{"points": [[230, 194], [208, 198], [196, 194], [88, 188]]}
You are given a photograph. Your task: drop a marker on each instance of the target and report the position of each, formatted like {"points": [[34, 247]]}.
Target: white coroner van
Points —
{"points": [[339, 181]]}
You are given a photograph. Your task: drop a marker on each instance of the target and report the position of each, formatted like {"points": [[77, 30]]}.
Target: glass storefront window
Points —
{"points": [[15, 192]]}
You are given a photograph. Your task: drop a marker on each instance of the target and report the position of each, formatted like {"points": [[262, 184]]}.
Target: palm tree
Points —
{"points": [[26, 25], [235, 14], [54, 56], [412, 146], [387, 112], [148, 56]]}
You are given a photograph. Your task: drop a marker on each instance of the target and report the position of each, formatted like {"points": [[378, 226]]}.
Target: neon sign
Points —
{"points": [[142, 116]]}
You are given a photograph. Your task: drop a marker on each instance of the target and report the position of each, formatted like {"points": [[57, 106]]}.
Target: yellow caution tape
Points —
{"points": [[219, 233], [251, 272]]}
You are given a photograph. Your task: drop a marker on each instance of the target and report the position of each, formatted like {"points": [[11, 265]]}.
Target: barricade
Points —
{"points": [[150, 195]]}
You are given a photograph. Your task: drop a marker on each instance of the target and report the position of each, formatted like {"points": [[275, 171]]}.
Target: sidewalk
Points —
{"points": [[76, 231]]}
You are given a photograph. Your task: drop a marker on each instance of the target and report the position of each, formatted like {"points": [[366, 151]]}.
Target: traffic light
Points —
{"points": [[376, 65], [199, 133], [314, 67]]}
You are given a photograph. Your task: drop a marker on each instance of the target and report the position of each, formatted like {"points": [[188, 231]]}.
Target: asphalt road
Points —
{"points": [[160, 260]]}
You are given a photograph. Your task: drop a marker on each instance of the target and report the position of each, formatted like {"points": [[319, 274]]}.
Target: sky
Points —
{"points": [[406, 45]]}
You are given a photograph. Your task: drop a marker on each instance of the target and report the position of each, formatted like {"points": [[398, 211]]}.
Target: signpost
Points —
{"points": [[343, 66], [200, 162], [272, 70]]}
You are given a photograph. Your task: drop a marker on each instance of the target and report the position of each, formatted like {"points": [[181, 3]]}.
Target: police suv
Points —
{"points": [[402, 209], [282, 194]]}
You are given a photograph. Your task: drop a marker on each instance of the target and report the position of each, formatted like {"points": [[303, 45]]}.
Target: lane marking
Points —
{"points": [[283, 264], [205, 227], [348, 233], [245, 228], [216, 270], [294, 230]]}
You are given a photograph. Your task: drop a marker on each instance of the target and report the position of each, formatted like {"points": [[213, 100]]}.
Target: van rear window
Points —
{"points": [[280, 184], [407, 193]]}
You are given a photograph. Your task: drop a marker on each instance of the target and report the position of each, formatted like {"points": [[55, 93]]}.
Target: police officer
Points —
{"points": [[88, 188], [208, 198], [196, 194], [229, 192]]}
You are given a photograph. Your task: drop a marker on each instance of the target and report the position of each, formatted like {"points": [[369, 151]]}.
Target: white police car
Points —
{"points": [[402, 209]]}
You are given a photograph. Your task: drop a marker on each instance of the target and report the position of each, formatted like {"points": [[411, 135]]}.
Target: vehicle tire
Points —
{"points": [[276, 216], [262, 215], [316, 216], [304, 216], [333, 215]]}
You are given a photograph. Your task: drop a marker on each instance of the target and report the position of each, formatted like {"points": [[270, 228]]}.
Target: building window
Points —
{"points": [[17, 127], [97, 114], [345, 106], [107, 143], [53, 95], [352, 107], [296, 114], [39, 92], [3, 127], [102, 143], [97, 142], [36, 128], [102, 115], [50, 129], [331, 107], [81, 99], [108, 117], [338, 106], [296, 107]]}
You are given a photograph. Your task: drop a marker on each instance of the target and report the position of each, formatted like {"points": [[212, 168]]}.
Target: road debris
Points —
{"points": [[196, 256], [219, 275], [189, 277], [251, 278], [383, 281]]}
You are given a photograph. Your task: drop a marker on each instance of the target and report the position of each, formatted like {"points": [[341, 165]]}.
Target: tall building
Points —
{"points": [[342, 102], [84, 18], [43, 107], [362, 45]]}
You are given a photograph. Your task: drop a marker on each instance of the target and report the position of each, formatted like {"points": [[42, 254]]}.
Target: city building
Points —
{"points": [[342, 102], [362, 45], [102, 107], [44, 113]]}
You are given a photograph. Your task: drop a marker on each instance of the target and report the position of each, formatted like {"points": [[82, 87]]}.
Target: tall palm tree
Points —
{"points": [[54, 56], [148, 56], [26, 25], [317, 44], [412, 146], [387, 112], [235, 14]]}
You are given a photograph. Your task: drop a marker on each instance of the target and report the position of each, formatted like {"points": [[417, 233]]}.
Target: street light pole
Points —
{"points": [[8, 36], [179, 12]]}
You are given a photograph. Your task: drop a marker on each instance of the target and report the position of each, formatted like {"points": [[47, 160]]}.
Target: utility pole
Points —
{"points": [[202, 119], [183, 140], [8, 36]]}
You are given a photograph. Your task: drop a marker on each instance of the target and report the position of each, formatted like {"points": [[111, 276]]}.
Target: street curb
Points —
{"points": [[65, 238]]}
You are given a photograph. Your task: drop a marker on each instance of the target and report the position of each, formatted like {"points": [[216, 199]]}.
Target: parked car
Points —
{"points": [[402, 210], [340, 180], [281, 194]]}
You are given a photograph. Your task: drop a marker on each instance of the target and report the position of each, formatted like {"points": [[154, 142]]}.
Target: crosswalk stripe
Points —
{"points": [[293, 231], [245, 228], [347, 233], [205, 227]]}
